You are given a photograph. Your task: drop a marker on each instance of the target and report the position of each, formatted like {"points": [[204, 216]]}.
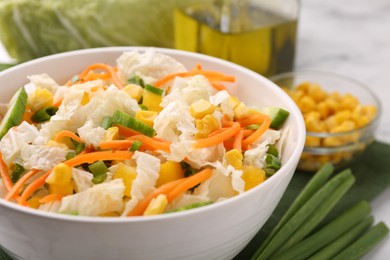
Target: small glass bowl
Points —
{"points": [[339, 148]]}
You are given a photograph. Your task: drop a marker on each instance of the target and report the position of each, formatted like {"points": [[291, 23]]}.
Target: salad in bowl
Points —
{"points": [[144, 136]]}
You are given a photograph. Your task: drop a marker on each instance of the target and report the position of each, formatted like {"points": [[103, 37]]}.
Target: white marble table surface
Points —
{"points": [[352, 38]]}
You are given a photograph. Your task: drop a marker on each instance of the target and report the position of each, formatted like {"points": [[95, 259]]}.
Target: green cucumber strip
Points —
{"points": [[253, 126], [99, 178], [315, 183], [278, 116], [272, 162], [44, 114], [107, 122], [343, 241], [136, 80], [317, 216], [75, 78], [192, 206], [302, 215], [126, 120], [135, 146], [99, 171], [327, 234], [15, 111], [70, 155], [154, 90], [365, 243]]}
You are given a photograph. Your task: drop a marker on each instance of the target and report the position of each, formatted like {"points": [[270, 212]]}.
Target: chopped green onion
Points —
{"points": [[17, 172], [143, 107], [99, 171], [137, 80], [129, 121], [272, 164], [107, 122], [80, 147], [44, 114], [136, 145], [70, 155], [157, 91], [253, 126], [272, 150]]}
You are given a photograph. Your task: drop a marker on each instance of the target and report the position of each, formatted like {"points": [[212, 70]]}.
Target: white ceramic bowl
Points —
{"points": [[218, 231]]}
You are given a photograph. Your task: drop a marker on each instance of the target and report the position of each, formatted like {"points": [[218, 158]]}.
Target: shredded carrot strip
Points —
{"points": [[27, 115], [157, 145], [116, 144], [257, 134], [226, 122], [32, 187], [93, 76], [5, 174], [106, 67], [248, 132], [218, 138], [238, 139], [252, 119], [96, 156], [211, 75], [66, 133], [189, 183], [228, 144], [218, 131], [58, 103], [126, 132], [51, 198], [163, 189], [19, 184], [218, 86]]}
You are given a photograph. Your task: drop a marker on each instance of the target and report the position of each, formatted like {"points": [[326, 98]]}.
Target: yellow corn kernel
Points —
{"points": [[152, 101], [64, 190], [323, 110], [60, 175], [304, 87], [332, 104], [85, 99], [312, 141], [342, 116], [206, 125], [201, 108], [332, 141], [134, 91], [53, 143], [345, 126], [146, 117], [157, 205], [316, 93], [112, 133], [233, 102], [361, 120], [349, 102], [313, 123], [234, 158], [34, 202], [127, 174], [241, 111], [297, 95], [306, 104], [252, 176], [169, 171], [39, 99]]}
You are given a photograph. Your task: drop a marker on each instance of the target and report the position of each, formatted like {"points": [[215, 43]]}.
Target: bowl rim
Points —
{"points": [[300, 140], [329, 74]]}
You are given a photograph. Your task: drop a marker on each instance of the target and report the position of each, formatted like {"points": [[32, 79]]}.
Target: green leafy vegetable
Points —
{"points": [[17, 172], [74, 24], [44, 114]]}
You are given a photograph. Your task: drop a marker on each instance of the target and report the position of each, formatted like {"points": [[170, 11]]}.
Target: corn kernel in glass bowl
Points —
{"points": [[341, 116]]}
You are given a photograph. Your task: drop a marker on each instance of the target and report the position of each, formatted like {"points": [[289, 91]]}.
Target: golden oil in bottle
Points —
{"points": [[244, 34]]}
